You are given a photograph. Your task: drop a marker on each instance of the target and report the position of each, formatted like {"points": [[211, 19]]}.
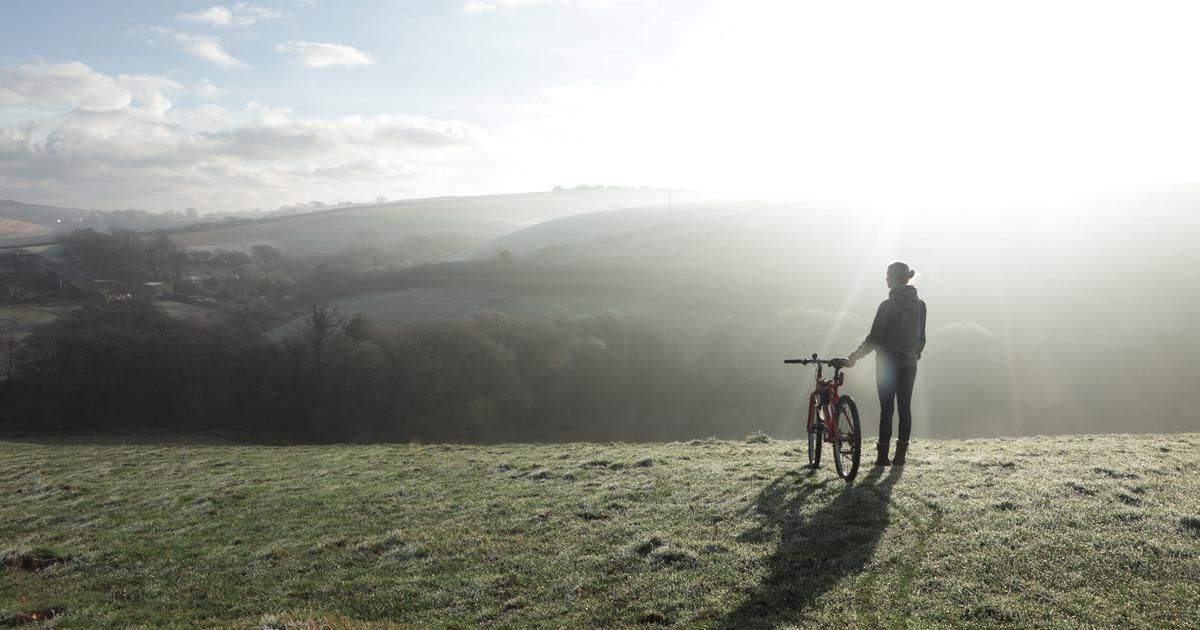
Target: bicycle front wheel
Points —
{"points": [[847, 442]]}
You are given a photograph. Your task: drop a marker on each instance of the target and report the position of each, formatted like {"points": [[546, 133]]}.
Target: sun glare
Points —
{"points": [[886, 101]]}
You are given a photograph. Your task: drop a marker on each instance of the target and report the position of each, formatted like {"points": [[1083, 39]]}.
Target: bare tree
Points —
{"points": [[323, 323]]}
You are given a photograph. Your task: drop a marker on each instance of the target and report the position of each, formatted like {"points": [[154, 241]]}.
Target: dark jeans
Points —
{"points": [[895, 382]]}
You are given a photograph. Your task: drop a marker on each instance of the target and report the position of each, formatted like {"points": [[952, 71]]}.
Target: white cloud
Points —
{"points": [[78, 85], [319, 55], [241, 14], [207, 48], [117, 141], [206, 89], [246, 14], [216, 16]]}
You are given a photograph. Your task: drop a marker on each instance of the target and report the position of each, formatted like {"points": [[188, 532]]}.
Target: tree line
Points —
{"points": [[486, 377]]}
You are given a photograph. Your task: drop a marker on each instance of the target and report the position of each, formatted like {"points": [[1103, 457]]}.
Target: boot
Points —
{"points": [[901, 451], [882, 449]]}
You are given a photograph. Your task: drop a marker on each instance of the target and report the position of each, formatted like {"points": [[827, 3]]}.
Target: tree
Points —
{"points": [[359, 328], [322, 324], [267, 257], [163, 258]]}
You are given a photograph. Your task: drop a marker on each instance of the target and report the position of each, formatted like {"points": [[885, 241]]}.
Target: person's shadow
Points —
{"points": [[818, 546]]}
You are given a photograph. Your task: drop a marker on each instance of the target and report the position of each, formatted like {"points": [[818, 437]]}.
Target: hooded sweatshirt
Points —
{"points": [[899, 328]]}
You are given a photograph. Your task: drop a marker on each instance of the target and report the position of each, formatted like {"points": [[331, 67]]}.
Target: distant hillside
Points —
{"points": [[17, 229], [384, 225], [1039, 315], [47, 215]]}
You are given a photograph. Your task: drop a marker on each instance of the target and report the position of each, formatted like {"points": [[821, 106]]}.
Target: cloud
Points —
{"points": [[207, 48], [216, 16], [206, 89], [241, 14], [319, 55], [475, 6], [78, 85], [246, 14], [118, 141]]}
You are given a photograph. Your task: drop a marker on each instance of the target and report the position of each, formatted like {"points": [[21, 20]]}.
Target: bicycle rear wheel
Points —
{"points": [[847, 442], [816, 437]]}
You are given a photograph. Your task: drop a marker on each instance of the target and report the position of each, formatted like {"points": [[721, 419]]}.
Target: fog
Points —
{"points": [[645, 322], [1068, 316]]}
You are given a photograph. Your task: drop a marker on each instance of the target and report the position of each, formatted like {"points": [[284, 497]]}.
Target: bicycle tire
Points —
{"points": [[847, 443], [815, 438]]}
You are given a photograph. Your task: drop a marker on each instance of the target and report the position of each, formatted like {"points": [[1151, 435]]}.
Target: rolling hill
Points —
{"points": [[477, 219], [42, 214], [1065, 318], [13, 229]]}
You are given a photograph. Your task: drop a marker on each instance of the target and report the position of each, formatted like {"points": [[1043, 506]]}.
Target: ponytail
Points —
{"points": [[901, 271]]}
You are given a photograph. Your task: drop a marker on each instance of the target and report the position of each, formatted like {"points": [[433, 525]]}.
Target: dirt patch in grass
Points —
{"points": [[653, 619], [38, 616], [33, 560], [1000, 465], [650, 544], [672, 556], [1191, 525], [1112, 474], [380, 544], [1128, 499], [1082, 489]]}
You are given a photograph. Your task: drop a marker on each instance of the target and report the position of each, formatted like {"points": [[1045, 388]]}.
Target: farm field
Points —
{"points": [[17, 229], [18, 320], [1024, 532]]}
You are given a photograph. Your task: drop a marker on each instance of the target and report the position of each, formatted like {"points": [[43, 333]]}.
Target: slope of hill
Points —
{"points": [[1095, 531], [12, 229], [384, 225], [42, 214]]}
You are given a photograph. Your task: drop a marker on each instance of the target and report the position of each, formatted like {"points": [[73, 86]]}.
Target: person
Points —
{"points": [[898, 337]]}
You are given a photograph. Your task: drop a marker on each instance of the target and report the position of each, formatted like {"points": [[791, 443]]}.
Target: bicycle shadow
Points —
{"points": [[816, 550]]}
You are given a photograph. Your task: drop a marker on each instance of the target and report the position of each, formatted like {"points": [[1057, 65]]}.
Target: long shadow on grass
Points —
{"points": [[819, 543]]}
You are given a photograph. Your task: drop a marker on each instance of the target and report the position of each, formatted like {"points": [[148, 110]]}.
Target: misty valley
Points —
{"points": [[625, 323]]}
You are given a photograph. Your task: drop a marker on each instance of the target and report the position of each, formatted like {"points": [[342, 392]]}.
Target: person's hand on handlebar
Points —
{"points": [[841, 363]]}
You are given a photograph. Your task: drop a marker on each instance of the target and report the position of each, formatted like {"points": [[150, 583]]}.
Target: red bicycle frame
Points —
{"points": [[824, 398]]}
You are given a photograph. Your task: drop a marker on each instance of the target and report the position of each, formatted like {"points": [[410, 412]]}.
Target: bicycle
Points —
{"points": [[832, 418]]}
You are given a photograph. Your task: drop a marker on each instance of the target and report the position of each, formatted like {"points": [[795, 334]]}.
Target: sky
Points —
{"points": [[228, 106]]}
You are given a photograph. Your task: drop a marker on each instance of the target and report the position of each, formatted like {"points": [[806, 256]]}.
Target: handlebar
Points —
{"points": [[837, 364]]}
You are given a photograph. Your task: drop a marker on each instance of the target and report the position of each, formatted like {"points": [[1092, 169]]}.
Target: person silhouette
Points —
{"points": [[898, 337]]}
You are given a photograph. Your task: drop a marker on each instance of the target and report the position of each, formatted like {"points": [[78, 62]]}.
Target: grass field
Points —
{"points": [[15, 229], [1049, 532]]}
